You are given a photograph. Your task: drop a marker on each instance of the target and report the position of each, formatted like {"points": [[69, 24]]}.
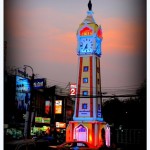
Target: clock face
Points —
{"points": [[86, 45]]}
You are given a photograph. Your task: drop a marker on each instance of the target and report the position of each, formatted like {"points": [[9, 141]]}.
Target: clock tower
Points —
{"points": [[88, 124], [89, 39]]}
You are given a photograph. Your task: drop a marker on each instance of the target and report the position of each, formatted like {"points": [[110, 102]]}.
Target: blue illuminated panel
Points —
{"points": [[39, 83], [85, 68], [84, 106], [85, 80], [23, 90]]}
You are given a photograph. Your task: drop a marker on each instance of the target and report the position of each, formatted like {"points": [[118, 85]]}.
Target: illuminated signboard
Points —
{"points": [[39, 83], [38, 119], [73, 89], [23, 90], [58, 106], [86, 31], [60, 125], [46, 120], [36, 130], [47, 107], [42, 120]]}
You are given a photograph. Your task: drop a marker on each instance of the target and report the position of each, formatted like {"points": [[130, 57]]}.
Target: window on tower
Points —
{"points": [[84, 106], [85, 80], [85, 93], [85, 68]]}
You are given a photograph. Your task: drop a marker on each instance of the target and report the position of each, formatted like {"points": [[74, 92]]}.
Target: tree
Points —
{"points": [[130, 113], [112, 111]]}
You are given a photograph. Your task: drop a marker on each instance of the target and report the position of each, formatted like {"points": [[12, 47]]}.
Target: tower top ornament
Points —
{"points": [[90, 5]]}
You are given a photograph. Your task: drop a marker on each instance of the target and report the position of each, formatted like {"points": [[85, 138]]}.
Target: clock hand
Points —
{"points": [[85, 46]]}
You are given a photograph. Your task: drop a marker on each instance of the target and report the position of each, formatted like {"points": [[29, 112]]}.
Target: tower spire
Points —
{"points": [[90, 5]]}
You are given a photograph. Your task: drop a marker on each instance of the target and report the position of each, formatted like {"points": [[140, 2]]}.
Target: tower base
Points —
{"points": [[94, 132]]}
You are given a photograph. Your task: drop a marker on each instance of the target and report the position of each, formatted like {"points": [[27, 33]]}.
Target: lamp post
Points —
{"points": [[29, 109]]}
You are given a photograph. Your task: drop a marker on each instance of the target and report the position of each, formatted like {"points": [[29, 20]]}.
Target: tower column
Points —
{"points": [[91, 86], [96, 136], [94, 88]]}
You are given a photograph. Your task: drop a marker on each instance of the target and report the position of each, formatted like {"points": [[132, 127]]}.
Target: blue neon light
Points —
{"points": [[87, 119]]}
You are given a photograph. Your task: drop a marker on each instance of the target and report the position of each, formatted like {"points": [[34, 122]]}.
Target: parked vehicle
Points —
{"points": [[74, 145]]}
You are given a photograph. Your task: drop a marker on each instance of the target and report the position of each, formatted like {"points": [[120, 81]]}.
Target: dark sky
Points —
{"points": [[42, 34]]}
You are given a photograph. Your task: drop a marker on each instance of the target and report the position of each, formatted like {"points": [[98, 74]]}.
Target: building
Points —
{"points": [[61, 105]]}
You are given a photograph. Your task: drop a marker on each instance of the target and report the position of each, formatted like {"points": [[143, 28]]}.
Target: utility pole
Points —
{"points": [[27, 128]]}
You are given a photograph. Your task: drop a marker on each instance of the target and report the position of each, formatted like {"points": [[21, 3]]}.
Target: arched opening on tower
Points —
{"points": [[81, 133]]}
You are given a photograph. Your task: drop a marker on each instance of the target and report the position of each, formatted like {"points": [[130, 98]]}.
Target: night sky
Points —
{"points": [[42, 34]]}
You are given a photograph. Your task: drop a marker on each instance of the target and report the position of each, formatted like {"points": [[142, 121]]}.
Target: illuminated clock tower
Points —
{"points": [[87, 124], [89, 37]]}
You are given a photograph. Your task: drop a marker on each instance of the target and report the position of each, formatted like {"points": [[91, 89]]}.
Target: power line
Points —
{"points": [[103, 96], [108, 88]]}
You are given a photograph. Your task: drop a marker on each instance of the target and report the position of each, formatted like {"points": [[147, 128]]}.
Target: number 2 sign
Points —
{"points": [[73, 89]]}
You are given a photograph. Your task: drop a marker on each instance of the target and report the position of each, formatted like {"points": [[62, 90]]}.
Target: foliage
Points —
{"points": [[14, 133], [129, 113]]}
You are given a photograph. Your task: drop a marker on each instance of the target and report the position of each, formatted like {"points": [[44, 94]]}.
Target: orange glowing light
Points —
{"points": [[90, 138], [60, 125], [58, 106], [86, 31]]}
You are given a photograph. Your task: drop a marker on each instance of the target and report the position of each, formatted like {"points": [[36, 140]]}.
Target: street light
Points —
{"points": [[25, 66], [29, 111]]}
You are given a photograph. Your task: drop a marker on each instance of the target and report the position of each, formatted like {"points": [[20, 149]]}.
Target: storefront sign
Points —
{"points": [[42, 120], [47, 107], [73, 89], [38, 119], [23, 89], [58, 106], [46, 120], [60, 125], [39, 83]]}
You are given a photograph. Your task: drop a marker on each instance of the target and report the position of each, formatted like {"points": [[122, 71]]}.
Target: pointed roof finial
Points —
{"points": [[90, 5]]}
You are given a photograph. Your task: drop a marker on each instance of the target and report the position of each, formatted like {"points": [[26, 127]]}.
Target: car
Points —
{"points": [[74, 145]]}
